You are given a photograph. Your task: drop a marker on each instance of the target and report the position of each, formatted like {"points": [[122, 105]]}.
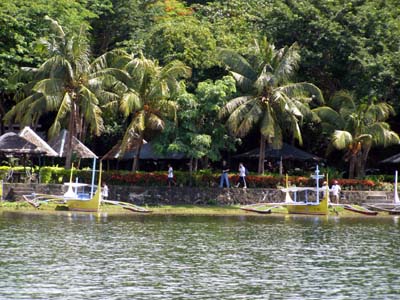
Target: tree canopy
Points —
{"points": [[341, 45]]}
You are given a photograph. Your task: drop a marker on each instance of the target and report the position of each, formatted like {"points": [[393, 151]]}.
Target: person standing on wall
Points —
{"points": [[224, 175], [104, 191], [336, 191], [242, 176]]}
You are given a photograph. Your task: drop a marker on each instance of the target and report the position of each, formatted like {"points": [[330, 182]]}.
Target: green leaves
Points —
{"points": [[273, 104]]}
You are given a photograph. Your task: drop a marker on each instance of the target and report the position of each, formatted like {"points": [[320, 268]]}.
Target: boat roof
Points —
{"points": [[76, 184], [300, 189]]}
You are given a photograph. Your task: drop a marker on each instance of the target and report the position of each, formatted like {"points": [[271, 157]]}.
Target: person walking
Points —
{"points": [[336, 191], [224, 175], [170, 176], [242, 176]]}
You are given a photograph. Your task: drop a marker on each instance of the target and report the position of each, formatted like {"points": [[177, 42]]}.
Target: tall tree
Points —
{"points": [[66, 83], [21, 25], [356, 128], [269, 101], [199, 132], [147, 97]]}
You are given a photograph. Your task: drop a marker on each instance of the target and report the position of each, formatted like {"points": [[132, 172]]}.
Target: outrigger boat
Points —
{"points": [[78, 199], [309, 205], [363, 210]]}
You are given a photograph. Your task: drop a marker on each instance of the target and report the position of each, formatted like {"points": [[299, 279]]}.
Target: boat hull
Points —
{"points": [[89, 205], [361, 211], [320, 208]]}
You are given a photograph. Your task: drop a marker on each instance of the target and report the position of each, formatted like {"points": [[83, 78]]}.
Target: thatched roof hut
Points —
{"points": [[59, 145], [147, 152], [116, 151], [12, 143], [28, 134], [287, 151]]}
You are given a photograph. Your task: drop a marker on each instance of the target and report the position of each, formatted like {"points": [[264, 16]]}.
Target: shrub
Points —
{"points": [[203, 178]]}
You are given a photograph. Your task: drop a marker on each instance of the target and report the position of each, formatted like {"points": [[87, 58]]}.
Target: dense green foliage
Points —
{"points": [[341, 45]]}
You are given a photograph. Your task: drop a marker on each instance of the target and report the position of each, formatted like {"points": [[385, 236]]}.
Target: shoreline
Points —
{"points": [[172, 210]]}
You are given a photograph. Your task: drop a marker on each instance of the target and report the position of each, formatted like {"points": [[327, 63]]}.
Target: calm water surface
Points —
{"points": [[84, 256]]}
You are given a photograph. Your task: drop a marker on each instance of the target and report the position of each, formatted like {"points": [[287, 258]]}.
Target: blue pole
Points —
{"points": [[93, 175]]}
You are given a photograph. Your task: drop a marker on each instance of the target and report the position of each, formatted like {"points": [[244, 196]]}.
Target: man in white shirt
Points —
{"points": [[335, 191], [170, 176]]}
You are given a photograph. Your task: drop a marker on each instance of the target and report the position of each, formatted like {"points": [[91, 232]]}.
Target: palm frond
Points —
{"points": [[343, 101], [382, 135], [380, 111], [55, 27], [130, 102], [302, 88], [295, 129], [65, 108], [341, 139], [244, 83], [168, 109], [268, 125], [328, 115], [264, 81], [233, 104], [155, 122], [50, 87], [237, 63], [243, 119], [287, 64]]}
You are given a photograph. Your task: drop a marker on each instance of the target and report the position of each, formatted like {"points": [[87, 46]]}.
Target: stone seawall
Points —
{"points": [[198, 196]]}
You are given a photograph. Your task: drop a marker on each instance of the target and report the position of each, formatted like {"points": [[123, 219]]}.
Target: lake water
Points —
{"points": [[85, 256]]}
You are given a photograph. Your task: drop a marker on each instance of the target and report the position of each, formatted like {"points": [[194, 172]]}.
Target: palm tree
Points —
{"points": [[147, 97], [356, 128], [66, 83], [270, 101]]}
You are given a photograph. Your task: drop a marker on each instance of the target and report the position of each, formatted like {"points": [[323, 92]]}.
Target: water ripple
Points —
{"points": [[81, 256]]}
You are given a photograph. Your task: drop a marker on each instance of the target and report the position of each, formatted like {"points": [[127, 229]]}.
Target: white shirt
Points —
{"points": [[104, 191], [170, 172], [335, 189], [242, 171]]}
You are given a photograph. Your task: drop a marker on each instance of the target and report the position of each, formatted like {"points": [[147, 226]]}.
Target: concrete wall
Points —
{"points": [[200, 196]]}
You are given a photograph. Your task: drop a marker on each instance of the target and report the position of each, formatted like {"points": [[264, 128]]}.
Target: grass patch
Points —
{"points": [[171, 209]]}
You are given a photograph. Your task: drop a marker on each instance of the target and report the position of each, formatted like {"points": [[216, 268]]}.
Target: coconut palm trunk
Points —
{"points": [[261, 157], [363, 160], [135, 164], [71, 132]]}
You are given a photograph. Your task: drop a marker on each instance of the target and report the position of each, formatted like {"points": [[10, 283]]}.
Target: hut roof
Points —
{"points": [[286, 152], [12, 143], [146, 152], [59, 145], [116, 151], [392, 159], [28, 134]]}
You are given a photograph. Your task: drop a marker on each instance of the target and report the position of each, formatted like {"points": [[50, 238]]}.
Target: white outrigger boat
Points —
{"points": [[298, 200], [306, 201], [78, 198]]}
